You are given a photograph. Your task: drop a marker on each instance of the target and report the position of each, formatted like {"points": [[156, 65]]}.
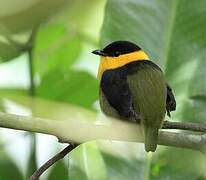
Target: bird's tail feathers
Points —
{"points": [[151, 138]]}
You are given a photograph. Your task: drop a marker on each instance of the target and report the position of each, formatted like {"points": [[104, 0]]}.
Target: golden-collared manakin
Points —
{"points": [[134, 88]]}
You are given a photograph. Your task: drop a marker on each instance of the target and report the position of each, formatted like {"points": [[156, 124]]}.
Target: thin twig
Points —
{"points": [[30, 47], [200, 127], [23, 46], [51, 161], [33, 35], [31, 73]]}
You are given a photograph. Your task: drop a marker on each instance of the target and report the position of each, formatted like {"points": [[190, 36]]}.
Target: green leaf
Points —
{"points": [[75, 87], [60, 42], [103, 160], [19, 16], [8, 169], [174, 163], [55, 48], [120, 168], [173, 34], [86, 162], [59, 171], [44, 108], [8, 51], [85, 17]]}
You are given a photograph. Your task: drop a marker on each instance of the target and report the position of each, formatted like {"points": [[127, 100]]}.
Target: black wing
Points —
{"points": [[116, 90], [170, 103]]}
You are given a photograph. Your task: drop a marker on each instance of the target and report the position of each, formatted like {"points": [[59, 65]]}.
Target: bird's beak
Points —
{"points": [[99, 52]]}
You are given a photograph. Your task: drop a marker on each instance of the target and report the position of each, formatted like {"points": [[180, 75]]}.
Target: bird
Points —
{"points": [[133, 88]]}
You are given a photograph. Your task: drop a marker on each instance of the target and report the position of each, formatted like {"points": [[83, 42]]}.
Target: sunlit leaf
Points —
{"points": [[75, 87], [85, 17], [110, 161], [42, 107], [55, 48], [21, 16], [86, 162]]}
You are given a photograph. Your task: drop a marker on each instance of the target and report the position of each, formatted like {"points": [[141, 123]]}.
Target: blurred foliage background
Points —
{"points": [[45, 52]]}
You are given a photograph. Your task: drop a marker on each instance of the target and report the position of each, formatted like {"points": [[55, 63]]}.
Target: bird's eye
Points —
{"points": [[117, 53]]}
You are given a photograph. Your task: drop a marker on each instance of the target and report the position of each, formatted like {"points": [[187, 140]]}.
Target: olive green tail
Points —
{"points": [[151, 138]]}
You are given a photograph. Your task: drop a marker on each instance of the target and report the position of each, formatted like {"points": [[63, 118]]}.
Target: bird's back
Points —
{"points": [[148, 88]]}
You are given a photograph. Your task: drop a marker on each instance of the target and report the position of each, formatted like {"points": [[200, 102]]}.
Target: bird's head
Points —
{"points": [[118, 54], [117, 48]]}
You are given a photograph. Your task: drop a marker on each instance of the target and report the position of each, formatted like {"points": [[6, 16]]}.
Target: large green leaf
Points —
{"points": [[105, 161], [120, 168], [55, 48], [59, 171], [172, 33], [85, 17], [75, 87], [86, 162]]}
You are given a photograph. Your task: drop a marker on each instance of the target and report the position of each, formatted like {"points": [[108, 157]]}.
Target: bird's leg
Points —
{"points": [[137, 117], [132, 115]]}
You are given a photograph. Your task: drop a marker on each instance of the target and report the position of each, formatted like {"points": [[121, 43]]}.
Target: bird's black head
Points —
{"points": [[117, 48]]}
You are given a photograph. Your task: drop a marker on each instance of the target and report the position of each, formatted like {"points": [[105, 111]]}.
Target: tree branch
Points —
{"points": [[184, 126], [66, 130], [51, 161], [23, 46], [183, 140]]}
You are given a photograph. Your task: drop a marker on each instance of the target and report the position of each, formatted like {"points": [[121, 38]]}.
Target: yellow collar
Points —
{"points": [[116, 62]]}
